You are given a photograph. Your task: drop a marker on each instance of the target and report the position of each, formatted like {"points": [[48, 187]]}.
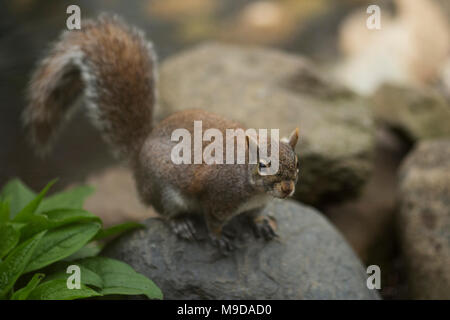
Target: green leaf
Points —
{"points": [[71, 199], [55, 219], [16, 225], [9, 237], [60, 243], [57, 290], [18, 194], [35, 224], [4, 212], [111, 277], [22, 294], [89, 250], [88, 277], [14, 264], [28, 211], [117, 230], [120, 278], [64, 216]]}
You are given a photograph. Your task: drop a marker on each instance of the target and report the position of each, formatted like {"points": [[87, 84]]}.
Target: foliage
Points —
{"points": [[40, 237]]}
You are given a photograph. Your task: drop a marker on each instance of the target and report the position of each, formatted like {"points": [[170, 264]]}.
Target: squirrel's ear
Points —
{"points": [[293, 138]]}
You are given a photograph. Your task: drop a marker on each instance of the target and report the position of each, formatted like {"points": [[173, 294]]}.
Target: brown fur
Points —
{"points": [[217, 191], [112, 62]]}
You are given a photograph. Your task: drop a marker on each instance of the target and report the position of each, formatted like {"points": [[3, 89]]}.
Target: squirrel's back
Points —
{"points": [[109, 64]]}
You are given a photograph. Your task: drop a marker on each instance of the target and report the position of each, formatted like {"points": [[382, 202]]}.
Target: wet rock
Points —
{"points": [[265, 88], [412, 112], [424, 219], [310, 260]]}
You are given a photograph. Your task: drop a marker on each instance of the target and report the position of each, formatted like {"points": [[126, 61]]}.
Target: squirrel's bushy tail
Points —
{"points": [[111, 67]]}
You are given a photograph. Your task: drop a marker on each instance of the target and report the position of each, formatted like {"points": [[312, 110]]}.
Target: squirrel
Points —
{"points": [[111, 67]]}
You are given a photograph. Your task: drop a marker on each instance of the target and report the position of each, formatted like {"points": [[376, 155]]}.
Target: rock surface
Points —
{"points": [[414, 113], [425, 219], [115, 199], [368, 220], [264, 88], [310, 260]]}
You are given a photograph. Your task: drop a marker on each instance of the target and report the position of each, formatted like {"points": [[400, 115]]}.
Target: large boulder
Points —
{"points": [[310, 260], [425, 219], [264, 88], [414, 113]]}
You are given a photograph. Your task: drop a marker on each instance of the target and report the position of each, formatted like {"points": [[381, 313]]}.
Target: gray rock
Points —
{"points": [[310, 260], [412, 112], [425, 219], [368, 221], [264, 88]]}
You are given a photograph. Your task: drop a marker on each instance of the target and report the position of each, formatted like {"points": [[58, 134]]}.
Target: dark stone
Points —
{"points": [[424, 220], [413, 113], [309, 260]]}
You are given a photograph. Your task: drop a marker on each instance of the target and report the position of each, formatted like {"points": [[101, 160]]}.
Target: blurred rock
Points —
{"points": [[367, 221], [267, 22], [178, 10], [414, 113], [262, 14], [410, 48], [424, 221], [262, 22], [445, 78], [115, 199], [265, 88], [310, 260]]}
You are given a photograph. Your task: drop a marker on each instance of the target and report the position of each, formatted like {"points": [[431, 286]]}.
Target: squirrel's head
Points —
{"points": [[280, 184]]}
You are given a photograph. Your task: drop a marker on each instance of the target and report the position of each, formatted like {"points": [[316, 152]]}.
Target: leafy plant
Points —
{"points": [[40, 237]]}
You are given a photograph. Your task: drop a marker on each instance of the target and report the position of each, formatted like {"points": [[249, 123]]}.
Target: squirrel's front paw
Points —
{"points": [[265, 227], [183, 227], [223, 242]]}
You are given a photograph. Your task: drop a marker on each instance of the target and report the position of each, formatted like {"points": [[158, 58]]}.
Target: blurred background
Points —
{"points": [[411, 51]]}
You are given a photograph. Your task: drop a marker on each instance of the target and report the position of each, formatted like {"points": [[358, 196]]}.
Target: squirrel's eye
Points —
{"points": [[263, 164]]}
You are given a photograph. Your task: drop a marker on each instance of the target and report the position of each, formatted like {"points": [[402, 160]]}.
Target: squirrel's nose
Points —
{"points": [[287, 186]]}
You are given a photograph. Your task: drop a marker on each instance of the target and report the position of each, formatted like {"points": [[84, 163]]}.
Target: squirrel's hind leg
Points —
{"points": [[222, 240], [176, 208], [183, 227], [262, 225]]}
